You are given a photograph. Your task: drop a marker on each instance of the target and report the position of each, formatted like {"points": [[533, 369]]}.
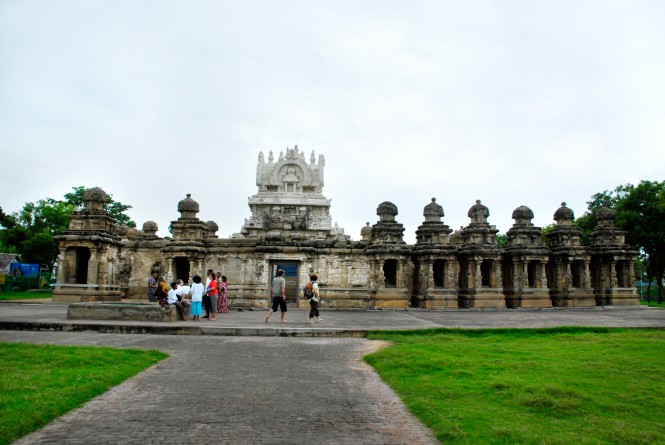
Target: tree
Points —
{"points": [[30, 232], [115, 209], [640, 210]]}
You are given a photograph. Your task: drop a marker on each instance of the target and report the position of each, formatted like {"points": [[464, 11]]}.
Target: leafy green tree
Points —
{"points": [[115, 209], [30, 232], [639, 209], [543, 233], [501, 239]]}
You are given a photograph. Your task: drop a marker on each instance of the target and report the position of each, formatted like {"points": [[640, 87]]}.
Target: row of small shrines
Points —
{"points": [[442, 270]]}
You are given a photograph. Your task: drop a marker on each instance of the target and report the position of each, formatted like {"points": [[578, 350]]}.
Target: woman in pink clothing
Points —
{"points": [[222, 299]]}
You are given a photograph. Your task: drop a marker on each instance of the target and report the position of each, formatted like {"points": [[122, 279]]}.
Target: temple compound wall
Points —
{"points": [[290, 228]]}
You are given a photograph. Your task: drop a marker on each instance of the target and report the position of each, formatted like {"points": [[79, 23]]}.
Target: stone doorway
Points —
{"points": [[182, 267], [82, 259], [390, 273], [291, 276]]}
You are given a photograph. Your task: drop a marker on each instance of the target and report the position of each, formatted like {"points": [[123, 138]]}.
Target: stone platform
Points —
{"points": [[121, 311]]}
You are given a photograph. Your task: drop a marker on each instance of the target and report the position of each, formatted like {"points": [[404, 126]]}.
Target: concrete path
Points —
{"points": [[269, 388], [236, 390], [50, 316]]}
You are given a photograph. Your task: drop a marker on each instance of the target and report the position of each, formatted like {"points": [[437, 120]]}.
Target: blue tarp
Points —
{"points": [[25, 269]]}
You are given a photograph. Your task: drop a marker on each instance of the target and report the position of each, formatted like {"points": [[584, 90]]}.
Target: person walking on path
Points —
{"points": [[278, 296], [197, 297], [314, 301], [152, 287], [222, 299], [211, 291]]}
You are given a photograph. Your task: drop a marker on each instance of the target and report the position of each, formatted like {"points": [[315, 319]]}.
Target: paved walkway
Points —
{"points": [[53, 316], [242, 389]]}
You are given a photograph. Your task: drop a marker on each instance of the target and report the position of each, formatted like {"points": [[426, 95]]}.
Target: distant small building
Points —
{"points": [[6, 261]]}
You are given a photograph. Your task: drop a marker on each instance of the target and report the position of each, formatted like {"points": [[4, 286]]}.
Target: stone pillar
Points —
{"points": [[169, 274], [93, 267], [429, 277], [477, 275], [102, 267], [243, 270], [613, 274], [497, 277], [453, 274], [61, 275]]}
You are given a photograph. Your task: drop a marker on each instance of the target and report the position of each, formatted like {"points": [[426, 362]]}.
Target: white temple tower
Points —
{"points": [[289, 203]]}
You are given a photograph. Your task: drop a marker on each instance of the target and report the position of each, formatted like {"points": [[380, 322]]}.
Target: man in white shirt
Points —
{"points": [[177, 297]]}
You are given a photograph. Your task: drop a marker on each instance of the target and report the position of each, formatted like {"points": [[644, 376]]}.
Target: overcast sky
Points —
{"points": [[510, 102]]}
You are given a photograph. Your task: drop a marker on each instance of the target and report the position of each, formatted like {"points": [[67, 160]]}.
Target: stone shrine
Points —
{"points": [[290, 228]]}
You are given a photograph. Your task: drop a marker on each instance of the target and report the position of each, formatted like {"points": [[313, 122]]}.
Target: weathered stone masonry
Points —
{"points": [[290, 228]]}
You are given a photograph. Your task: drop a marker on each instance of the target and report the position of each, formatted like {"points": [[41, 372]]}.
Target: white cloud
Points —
{"points": [[508, 102]]}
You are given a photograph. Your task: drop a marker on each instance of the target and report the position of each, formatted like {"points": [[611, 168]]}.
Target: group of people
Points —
{"points": [[279, 298], [191, 300]]}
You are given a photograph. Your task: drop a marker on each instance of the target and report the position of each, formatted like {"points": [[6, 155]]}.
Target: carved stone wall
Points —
{"points": [[290, 222]]}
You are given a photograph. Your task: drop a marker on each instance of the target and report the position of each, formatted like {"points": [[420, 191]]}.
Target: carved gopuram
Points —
{"points": [[612, 261], [569, 275], [389, 257], [89, 254], [290, 227], [435, 259], [525, 260]]}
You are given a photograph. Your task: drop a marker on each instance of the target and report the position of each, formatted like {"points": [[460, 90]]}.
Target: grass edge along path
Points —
{"points": [[42, 382], [9, 296], [530, 386]]}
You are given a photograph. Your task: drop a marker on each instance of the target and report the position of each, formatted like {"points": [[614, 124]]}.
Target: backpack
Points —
{"points": [[308, 290]]}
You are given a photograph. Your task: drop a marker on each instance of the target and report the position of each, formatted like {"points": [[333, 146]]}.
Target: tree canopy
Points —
{"points": [[640, 209], [115, 209], [30, 231]]}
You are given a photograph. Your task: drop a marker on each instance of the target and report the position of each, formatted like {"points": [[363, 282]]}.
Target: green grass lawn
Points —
{"points": [[24, 295], [42, 382], [544, 386], [653, 303]]}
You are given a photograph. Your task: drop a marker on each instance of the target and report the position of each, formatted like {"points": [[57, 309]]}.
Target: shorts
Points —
{"points": [[278, 301]]}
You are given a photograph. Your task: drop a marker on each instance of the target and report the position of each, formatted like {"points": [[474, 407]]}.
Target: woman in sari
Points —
{"points": [[222, 300]]}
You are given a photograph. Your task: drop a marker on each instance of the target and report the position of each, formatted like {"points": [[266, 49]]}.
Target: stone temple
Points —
{"points": [[290, 228]]}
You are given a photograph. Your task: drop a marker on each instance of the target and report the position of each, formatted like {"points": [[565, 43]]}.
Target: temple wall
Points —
{"points": [[100, 260]]}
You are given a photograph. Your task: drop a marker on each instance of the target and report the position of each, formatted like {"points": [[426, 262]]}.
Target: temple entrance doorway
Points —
{"points": [[182, 268], [82, 259], [291, 276], [390, 273]]}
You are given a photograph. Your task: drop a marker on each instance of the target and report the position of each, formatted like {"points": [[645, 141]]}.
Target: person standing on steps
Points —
{"points": [[278, 296], [152, 287]]}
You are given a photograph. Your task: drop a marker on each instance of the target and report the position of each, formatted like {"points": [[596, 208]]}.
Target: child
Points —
{"points": [[197, 297]]}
